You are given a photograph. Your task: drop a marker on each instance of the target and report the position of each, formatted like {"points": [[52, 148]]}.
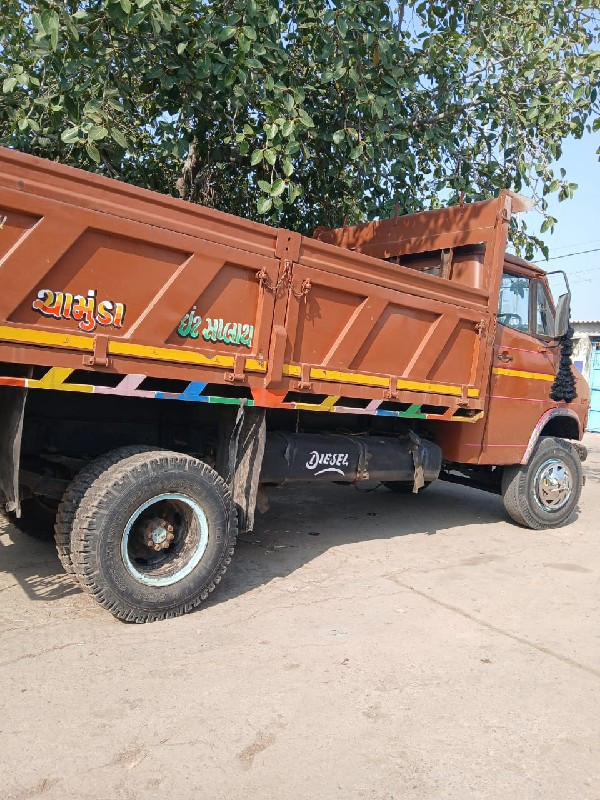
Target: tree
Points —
{"points": [[305, 112]]}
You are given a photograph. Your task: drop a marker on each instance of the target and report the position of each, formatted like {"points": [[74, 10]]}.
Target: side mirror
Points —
{"points": [[562, 315]]}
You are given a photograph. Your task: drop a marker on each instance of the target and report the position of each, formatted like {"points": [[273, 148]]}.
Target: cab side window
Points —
{"points": [[544, 315], [513, 309]]}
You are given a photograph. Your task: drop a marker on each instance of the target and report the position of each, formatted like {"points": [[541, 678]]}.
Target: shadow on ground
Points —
{"points": [[304, 523], [301, 524], [34, 566]]}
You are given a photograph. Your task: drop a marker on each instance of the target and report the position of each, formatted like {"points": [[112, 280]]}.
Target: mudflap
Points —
{"points": [[12, 413], [416, 448], [239, 459]]}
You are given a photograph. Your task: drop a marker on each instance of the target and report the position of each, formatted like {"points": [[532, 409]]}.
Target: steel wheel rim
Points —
{"points": [[189, 543], [553, 485]]}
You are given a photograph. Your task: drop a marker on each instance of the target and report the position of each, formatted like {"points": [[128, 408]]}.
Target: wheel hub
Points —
{"points": [[553, 485], [157, 534], [165, 539]]}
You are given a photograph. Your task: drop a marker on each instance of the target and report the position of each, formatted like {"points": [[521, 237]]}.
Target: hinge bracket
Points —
{"points": [[304, 382], [100, 357], [239, 362], [392, 392]]}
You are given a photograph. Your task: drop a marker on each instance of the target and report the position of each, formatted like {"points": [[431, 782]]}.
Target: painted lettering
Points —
{"points": [[49, 303], [190, 324], [211, 330], [85, 310], [215, 330], [247, 334], [330, 461]]}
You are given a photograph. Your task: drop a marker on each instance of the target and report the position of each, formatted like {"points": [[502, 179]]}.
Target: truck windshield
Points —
{"points": [[513, 309]]}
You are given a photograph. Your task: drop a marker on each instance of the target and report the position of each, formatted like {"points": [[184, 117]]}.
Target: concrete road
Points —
{"points": [[362, 645]]}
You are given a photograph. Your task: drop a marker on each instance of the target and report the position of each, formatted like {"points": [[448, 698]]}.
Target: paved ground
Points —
{"points": [[364, 645]]}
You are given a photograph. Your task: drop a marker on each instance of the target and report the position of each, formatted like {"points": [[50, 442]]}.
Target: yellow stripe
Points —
{"points": [[329, 402], [123, 348], [55, 379], [115, 347], [119, 348], [256, 366], [348, 377], [29, 336], [317, 373], [517, 373], [474, 418], [326, 405], [437, 388]]}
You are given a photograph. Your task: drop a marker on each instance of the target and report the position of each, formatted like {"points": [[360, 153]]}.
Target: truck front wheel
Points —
{"points": [[152, 535], [544, 493]]}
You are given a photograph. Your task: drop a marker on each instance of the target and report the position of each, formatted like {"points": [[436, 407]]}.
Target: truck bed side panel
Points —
{"points": [[111, 288]]}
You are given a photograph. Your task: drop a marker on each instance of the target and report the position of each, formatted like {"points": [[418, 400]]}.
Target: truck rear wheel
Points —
{"points": [[71, 499], [544, 493], [152, 535]]}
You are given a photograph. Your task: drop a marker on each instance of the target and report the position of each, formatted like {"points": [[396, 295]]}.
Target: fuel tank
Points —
{"points": [[291, 457]]}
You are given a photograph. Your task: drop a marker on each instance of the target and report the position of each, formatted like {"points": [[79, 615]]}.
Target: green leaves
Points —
{"points": [[119, 137], [9, 84], [278, 188], [96, 133], [342, 26], [228, 32], [304, 113], [70, 135], [287, 128], [48, 24], [305, 119], [264, 204], [93, 152]]}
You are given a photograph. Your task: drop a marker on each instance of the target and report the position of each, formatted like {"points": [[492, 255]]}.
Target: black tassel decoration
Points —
{"points": [[563, 387]]}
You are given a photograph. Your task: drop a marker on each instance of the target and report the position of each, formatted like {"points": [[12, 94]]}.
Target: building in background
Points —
{"points": [[586, 358]]}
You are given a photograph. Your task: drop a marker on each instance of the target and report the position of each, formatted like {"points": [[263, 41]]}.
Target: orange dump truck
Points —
{"points": [[161, 363]]}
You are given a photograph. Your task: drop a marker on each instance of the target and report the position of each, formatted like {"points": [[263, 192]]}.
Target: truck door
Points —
{"points": [[523, 366]]}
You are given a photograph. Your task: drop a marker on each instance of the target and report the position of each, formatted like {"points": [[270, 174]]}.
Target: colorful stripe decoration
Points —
{"points": [[123, 348], [56, 378], [176, 355], [320, 374]]}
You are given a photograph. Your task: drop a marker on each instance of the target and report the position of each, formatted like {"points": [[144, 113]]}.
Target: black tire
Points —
{"points": [[402, 487], [38, 515], [120, 513], [71, 499], [545, 492]]}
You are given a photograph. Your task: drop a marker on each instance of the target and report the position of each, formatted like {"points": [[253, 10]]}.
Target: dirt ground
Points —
{"points": [[362, 645]]}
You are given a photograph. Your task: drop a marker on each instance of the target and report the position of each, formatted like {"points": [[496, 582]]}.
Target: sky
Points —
{"points": [[578, 228]]}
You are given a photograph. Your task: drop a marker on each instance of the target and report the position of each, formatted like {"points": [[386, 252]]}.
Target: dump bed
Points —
{"points": [[109, 288]]}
